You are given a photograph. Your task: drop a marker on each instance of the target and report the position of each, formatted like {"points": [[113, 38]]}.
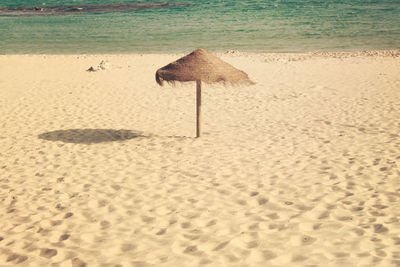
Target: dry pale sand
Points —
{"points": [[101, 168]]}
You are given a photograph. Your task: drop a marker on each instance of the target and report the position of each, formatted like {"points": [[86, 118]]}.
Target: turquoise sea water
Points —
{"points": [[217, 25]]}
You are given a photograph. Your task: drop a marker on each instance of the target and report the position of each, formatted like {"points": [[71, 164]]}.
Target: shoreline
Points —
{"points": [[394, 51], [328, 53]]}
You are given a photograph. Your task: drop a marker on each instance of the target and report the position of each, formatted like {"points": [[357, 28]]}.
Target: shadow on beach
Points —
{"points": [[89, 136]]}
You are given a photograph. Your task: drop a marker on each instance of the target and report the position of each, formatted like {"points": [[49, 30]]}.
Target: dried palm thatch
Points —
{"points": [[201, 65]]}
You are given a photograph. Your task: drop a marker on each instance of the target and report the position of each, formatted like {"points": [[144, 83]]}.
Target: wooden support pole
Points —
{"points": [[198, 107]]}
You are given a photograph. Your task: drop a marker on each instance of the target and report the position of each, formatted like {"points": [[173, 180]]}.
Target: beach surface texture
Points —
{"points": [[101, 168]]}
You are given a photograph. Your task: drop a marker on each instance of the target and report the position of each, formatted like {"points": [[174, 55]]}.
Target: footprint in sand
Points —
{"points": [[210, 223], [253, 194], [68, 214], [379, 228], [262, 201], [16, 258], [48, 252], [190, 249], [221, 246], [64, 237], [162, 231]]}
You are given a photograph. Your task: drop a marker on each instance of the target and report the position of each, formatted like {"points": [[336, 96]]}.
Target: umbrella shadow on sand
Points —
{"points": [[89, 136]]}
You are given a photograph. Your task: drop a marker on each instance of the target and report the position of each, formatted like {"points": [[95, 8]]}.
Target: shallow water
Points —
{"points": [[255, 25]]}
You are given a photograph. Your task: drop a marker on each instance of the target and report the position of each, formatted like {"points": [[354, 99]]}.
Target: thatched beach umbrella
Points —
{"points": [[201, 65]]}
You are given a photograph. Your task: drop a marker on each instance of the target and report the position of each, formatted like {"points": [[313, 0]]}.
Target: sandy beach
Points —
{"points": [[102, 168]]}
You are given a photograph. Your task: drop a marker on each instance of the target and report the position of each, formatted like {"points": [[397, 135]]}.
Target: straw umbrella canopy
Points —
{"points": [[201, 66]]}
